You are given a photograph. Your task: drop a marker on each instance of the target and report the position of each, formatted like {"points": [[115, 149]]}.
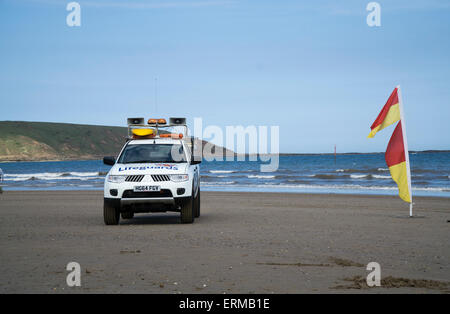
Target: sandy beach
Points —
{"points": [[242, 243]]}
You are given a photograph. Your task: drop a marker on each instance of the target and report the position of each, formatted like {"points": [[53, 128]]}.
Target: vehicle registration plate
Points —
{"points": [[147, 188]]}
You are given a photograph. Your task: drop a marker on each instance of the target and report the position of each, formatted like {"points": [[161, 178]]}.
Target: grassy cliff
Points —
{"points": [[57, 141], [36, 141]]}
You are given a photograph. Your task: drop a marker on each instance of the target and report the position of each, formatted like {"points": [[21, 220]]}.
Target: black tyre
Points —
{"points": [[187, 211], [197, 204], [127, 215], [111, 213]]}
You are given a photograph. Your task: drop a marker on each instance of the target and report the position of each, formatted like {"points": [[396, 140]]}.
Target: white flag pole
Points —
{"points": [[405, 143]]}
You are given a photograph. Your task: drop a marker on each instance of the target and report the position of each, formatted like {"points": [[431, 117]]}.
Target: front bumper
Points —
{"points": [[144, 205], [154, 200], [169, 193]]}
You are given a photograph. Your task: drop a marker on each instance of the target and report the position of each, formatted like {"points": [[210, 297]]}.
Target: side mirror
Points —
{"points": [[195, 162], [109, 160]]}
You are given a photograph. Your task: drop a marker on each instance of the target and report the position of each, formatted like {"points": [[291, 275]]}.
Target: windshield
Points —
{"points": [[150, 153]]}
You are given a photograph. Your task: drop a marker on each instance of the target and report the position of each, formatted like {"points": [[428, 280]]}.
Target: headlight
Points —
{"points": [[116, 179], [179, 177]]}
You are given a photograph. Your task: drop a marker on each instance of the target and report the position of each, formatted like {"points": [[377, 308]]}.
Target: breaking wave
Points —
{"points": [[260, 177], [222, 171], [372, 170], [48, 176]]}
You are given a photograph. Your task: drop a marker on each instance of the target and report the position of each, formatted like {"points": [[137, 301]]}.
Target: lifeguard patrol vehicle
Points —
{"points": [[154, 172]]}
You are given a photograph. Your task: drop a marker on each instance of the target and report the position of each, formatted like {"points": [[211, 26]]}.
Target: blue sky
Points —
{"points": [[312, 67]]}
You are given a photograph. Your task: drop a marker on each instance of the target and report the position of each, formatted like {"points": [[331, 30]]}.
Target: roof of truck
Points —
{"points": [[155, 141]]}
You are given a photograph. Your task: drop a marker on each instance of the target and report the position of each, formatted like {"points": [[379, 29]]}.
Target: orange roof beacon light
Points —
{"points": [[157, 121], [172, 135]]}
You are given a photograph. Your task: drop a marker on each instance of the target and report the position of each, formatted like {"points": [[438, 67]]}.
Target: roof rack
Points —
{"points": [[155, 125]]}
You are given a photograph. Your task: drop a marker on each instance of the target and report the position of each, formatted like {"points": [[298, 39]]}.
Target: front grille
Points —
{"points": [[160, 177], [132, 194], [135, 178]]}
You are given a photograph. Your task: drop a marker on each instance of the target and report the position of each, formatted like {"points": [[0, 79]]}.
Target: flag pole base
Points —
{"points": [[408, 216]]}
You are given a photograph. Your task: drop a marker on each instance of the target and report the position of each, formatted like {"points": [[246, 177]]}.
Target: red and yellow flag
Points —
{"points": [[388, 115], [396, 161], [396, 155]]}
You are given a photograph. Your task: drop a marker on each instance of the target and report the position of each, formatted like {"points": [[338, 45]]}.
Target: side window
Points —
{"points": [[177, 153]]}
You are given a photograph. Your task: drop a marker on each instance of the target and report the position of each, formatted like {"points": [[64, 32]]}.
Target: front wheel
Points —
{"points": [[197, 204], [111, 213], [187, 211]]}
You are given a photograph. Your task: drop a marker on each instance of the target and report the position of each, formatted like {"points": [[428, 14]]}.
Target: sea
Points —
{"points": [[347, 173]]}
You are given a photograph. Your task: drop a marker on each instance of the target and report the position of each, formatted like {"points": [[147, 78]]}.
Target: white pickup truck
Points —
{"points": [[154, 172]]}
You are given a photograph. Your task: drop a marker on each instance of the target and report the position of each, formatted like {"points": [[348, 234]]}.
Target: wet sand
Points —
{"points": [[242, 243]]}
